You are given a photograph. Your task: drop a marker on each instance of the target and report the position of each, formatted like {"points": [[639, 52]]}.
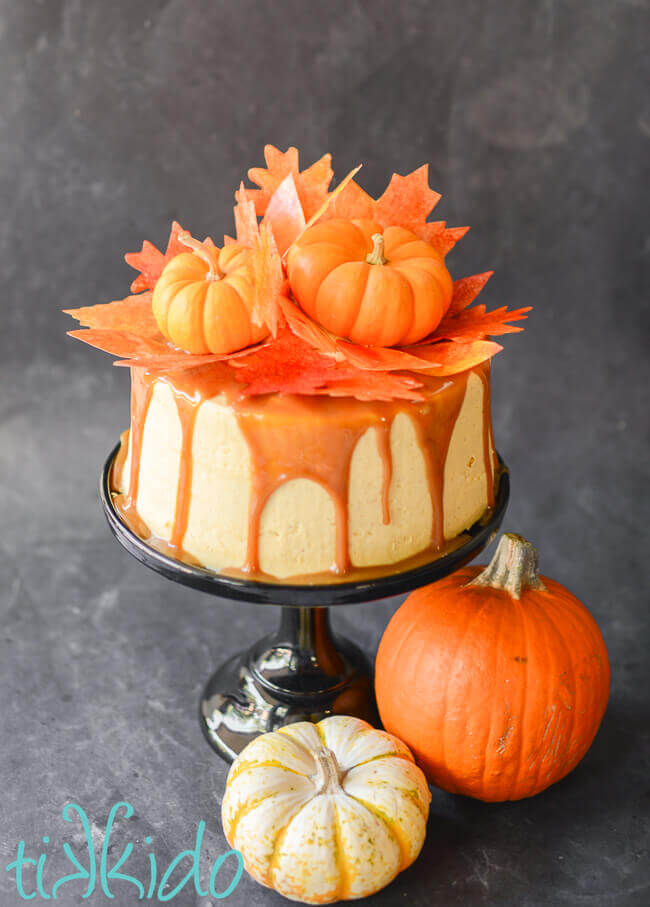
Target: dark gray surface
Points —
{"points": [[116, 117]]}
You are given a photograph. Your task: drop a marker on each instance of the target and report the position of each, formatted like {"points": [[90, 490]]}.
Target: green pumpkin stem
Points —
{"points": [[376, 257], [514, 567]]}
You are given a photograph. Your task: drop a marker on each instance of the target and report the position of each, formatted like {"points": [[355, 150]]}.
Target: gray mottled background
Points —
{"points": [[116, 117]]}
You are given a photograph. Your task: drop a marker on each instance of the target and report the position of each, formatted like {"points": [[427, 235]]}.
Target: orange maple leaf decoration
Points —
{"points": [[311, 184], [290, 365], [127, 328], [269, 281], [151, 262], [407, 200], [459, 342], [303, 357]]}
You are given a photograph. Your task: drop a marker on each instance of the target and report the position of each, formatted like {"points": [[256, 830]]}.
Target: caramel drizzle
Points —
{"points": [[483, 373], [141, 392], [187, 409], [382, 433], [297, 451], [319, 449], [435, 427]]}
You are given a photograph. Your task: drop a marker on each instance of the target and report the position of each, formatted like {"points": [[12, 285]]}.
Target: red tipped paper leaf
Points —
{"points": [[476, 323], [365, 358], [121, 343], [177, 360], [316, 216], [142, 352], [309, 331], [246, 225], [380, 358], [466, 290], [450, 237], [439, 235], [269, 281], [287, 366], [151, 262], [133, 314], [292, 366], [284, 214], [449, 358], [311, 184], [352, 202], [407, 201]]}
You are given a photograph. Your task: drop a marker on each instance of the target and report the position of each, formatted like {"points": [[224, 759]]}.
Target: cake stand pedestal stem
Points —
{"points": [[302, 672]]}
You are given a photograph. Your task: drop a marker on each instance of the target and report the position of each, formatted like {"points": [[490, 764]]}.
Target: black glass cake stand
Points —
{"points": [[303, 671]]}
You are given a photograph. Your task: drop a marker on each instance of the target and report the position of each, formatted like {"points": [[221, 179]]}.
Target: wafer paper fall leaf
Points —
{"points": [[278, 165], [330, 200], [149, 353], [431, 232], [450, 237], [284, 214], [151, 262], [380, 358], [352, 202], [291, 366], [449, 358], [476, 323], [246, 225], [407, 201], [133, 314], [288, 365], [308, 330], [311, 184], [178, 360], [269, 281], [464, 324], [122, 343], [367, 358], [439, 235], [466, 290]]}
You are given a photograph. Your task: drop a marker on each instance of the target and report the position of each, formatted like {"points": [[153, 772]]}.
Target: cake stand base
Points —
{"points": [[299, 673]]}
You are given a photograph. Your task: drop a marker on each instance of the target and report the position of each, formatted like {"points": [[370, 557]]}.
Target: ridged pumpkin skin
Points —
{"points": [[326, 812], [382, 304], [497, 697], [203, 304]]}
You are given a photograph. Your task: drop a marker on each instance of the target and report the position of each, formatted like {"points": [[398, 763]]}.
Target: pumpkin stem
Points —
{"points": [[377, 257], [209, 254], [328, 774], [514, 567]]}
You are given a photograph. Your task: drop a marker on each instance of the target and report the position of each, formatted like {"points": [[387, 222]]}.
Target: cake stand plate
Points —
{"points": [[303, 671]]}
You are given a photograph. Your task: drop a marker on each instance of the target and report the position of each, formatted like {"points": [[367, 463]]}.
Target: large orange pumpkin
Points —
{"points": [[496, 680], [376, 286], [203, 300]]}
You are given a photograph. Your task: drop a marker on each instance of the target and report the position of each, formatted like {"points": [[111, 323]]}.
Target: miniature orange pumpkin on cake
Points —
{"points": [[204, 299], [313, 398], [377, 287]]}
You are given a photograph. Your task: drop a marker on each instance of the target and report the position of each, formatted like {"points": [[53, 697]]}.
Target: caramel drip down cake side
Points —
{"points": [[295, 485]]}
